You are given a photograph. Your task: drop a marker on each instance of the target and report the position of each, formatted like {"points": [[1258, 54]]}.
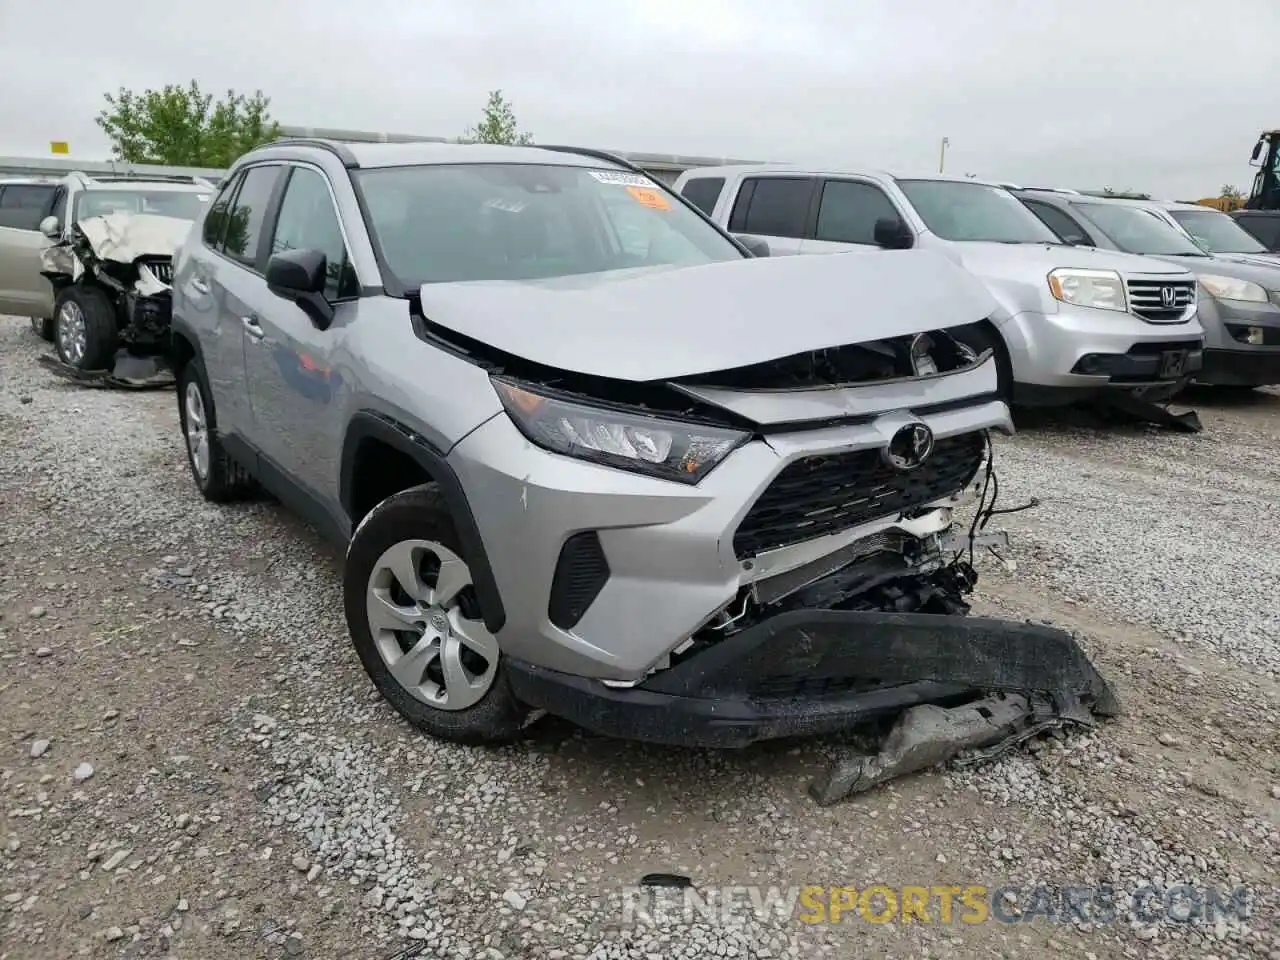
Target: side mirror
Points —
{"points": [[50, 227], [756, 246], [1257, 149], [300, 276], [892, 234]]}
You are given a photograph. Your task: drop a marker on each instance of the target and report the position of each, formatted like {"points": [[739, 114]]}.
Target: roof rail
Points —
{"points": [[153, 177], [338, 149], [594, 154]]}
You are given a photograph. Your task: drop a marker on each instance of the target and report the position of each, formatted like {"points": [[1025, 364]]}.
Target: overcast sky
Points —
{"points": [[1166, 96]]}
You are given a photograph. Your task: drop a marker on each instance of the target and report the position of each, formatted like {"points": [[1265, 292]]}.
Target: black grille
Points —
{"points": [[581, 574], [817, 496], [1147, 299]]}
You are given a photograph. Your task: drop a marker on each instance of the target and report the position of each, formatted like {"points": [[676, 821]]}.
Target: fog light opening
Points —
{"points": [[1255, 336]]}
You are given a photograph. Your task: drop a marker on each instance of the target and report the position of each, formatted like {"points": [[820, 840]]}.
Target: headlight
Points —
{"points": [[669, 449], [1102, 289], [1228, 288]]}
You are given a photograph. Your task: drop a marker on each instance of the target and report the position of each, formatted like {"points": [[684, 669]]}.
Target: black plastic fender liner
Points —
{"points": [[368, 424], [895, 648]]}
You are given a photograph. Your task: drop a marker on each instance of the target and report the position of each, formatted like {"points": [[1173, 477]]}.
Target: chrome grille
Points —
{"points": [[1147, 298], [163, 270]]}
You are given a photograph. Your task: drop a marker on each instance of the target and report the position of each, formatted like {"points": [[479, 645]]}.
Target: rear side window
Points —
{"points": [[703, 192], [248, 213], [24, 205], [772, 206], [849, 211], [215, 221]]}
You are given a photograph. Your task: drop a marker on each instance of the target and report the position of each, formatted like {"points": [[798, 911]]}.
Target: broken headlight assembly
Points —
{"points": [[669, 449]]}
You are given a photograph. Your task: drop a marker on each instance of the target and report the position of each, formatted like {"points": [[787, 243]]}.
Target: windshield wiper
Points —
{"points": [[1202, 255]]}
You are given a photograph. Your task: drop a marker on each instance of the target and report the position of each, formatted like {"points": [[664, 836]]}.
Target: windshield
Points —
{"points": [[185, 205], [498, 221], [1135, 230], [974, 211], [1217, 232]]}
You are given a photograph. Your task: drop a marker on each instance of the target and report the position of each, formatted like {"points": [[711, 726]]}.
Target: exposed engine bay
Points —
{"points": [[892, 358], [112, 278], [922, 563]]}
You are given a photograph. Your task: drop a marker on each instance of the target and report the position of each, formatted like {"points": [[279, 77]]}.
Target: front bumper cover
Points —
{"points": [[821, 671]]}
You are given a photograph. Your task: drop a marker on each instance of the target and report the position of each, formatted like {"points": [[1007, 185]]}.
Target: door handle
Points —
{"points": [[253, 328], [199, 286]]}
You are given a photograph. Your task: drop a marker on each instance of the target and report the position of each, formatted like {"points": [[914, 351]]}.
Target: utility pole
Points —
{"points": [[942, 155]]}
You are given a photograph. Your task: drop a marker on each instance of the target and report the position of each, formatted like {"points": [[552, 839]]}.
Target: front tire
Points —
{"points": [[218, 477], [416, 623], [984, 336], [84, 322]]}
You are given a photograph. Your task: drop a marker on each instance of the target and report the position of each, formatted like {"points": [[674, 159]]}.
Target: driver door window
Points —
{"points": [[849, 210], [1060, 223], [308, 221]]}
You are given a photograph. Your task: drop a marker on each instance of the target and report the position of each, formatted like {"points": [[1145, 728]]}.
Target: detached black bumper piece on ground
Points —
{"points": [[812, 672], [129, 373]]}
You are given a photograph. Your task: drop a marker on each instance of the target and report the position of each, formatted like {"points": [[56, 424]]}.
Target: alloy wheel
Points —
{"points": [[72, 337], [197, 426]]}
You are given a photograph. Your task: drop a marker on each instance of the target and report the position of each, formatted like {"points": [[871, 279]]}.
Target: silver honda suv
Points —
{"points": [[589, 454]]}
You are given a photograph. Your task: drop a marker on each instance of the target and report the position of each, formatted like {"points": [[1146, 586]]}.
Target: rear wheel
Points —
{"points": [[218, 477], [85, 328], [416, 623]]}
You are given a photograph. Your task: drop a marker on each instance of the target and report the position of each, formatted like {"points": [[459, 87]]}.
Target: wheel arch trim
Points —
{"points": [[369, 425]]}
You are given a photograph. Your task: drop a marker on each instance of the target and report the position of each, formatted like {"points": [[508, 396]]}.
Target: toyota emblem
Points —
{"points": [[910, 446], [1168, 297]]}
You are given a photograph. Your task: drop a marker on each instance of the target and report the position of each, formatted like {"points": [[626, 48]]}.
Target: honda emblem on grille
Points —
{"points": [[910, 447], [1168, 297]]}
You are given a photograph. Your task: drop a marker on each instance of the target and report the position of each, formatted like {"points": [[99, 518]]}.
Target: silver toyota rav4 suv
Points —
{"points": [[587, 453]]}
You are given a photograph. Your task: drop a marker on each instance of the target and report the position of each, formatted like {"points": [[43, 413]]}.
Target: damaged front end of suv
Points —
{"points": [[112, 278], [809, 571]]}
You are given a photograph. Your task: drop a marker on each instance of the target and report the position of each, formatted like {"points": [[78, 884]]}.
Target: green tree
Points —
{"points": [[182, 126], [498, 125], [1232, 193]]}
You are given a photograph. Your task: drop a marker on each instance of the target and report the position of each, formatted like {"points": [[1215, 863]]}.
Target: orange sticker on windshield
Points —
{"points": [[649, 198]]}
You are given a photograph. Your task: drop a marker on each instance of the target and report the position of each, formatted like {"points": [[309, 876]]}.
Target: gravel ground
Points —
{"points": [[193, 765]]}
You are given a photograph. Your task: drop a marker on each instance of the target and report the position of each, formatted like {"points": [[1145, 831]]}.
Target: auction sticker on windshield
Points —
{"points": [[649, 198], [620, 179]]}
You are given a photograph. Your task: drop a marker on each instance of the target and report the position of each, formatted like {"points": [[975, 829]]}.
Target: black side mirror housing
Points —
{"points": [[892, 234], [300, 276], [756, 246]]}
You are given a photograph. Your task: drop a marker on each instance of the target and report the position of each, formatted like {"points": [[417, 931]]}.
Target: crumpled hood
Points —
{"points": [[667, 322], [1016, 260], [124, 237]]}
